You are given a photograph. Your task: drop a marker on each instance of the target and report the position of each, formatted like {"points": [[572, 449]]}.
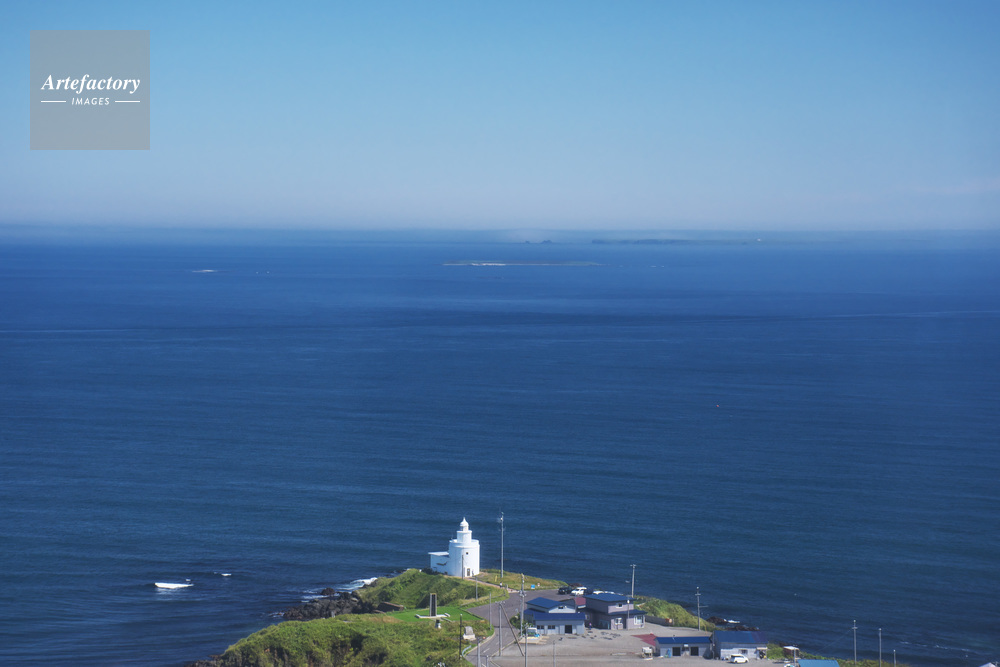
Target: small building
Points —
{"points": [[548, 606], [462, 557], [675, 647], [752, 644], [557, 623], [610, 611]]}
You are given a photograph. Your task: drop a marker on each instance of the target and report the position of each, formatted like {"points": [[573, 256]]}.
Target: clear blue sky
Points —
{"points": [[557, 115]]}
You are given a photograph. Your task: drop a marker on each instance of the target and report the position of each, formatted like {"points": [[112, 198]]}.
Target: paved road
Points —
{"points": [[502, 643]]}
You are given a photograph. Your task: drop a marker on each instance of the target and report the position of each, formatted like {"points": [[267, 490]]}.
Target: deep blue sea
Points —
{"points": [[807, 430]]}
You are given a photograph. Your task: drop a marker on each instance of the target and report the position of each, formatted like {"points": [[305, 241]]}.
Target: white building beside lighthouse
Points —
{"points": [[462, 557]]}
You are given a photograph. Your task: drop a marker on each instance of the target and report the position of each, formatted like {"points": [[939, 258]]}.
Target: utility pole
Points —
{"points": [[501, 546], [523, 638], [697, 596], [880, 647], [500, 609], [855, 628], [633, 580], [522, 606]]}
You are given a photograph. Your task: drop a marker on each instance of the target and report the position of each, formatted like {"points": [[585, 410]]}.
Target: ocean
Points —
{"points": [[805, 430]]}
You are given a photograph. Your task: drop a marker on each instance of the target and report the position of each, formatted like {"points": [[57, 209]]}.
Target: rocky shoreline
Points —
{"points": [[333, 603]]}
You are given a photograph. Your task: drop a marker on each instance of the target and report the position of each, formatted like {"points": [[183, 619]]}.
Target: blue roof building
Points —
{"points": [[675, 647]]}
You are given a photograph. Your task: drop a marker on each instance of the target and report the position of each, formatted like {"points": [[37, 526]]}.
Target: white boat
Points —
{"points": [[160, 584]]}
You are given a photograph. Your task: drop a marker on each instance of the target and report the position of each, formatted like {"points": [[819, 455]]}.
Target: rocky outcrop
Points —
{"points": [[333, 604], [211, 662]]}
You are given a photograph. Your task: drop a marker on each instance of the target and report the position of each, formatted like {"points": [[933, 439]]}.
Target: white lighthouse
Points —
{"points": [[462, 557]]}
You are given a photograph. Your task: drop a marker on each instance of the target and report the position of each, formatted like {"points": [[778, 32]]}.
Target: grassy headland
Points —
{"points": [[398, 639], [676, 613], [413, 589], [348, 641]]}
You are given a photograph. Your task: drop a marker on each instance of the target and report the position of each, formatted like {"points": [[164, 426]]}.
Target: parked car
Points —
{"points": [[578, 591], [566, 590], [736, 658]]}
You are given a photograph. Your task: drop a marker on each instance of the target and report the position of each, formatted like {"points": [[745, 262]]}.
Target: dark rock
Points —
{"points": [[717, 620], [328, 607]]}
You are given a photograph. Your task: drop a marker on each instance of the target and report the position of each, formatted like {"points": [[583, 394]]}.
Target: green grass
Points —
{"points": [[347, 641], [513, 580], [412, 589], [410, 615], [680, 616], [397, 639]]}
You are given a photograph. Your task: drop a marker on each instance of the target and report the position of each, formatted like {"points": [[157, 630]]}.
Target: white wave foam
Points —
{"points": [[356, 584]]}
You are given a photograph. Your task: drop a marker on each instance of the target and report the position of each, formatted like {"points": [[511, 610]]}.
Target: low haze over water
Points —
{"points": [[807, 431]]}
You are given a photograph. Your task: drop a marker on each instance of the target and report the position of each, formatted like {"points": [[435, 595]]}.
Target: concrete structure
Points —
{"points": [[676, 647], [610, 611], [804, 662], [751, 644], [462, 557]]}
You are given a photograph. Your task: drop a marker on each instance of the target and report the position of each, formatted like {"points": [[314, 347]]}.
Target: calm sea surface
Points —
{"points": [[808, 432]]}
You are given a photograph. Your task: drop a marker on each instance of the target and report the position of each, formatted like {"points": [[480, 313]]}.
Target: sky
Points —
{"points": [[799, 115]]}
